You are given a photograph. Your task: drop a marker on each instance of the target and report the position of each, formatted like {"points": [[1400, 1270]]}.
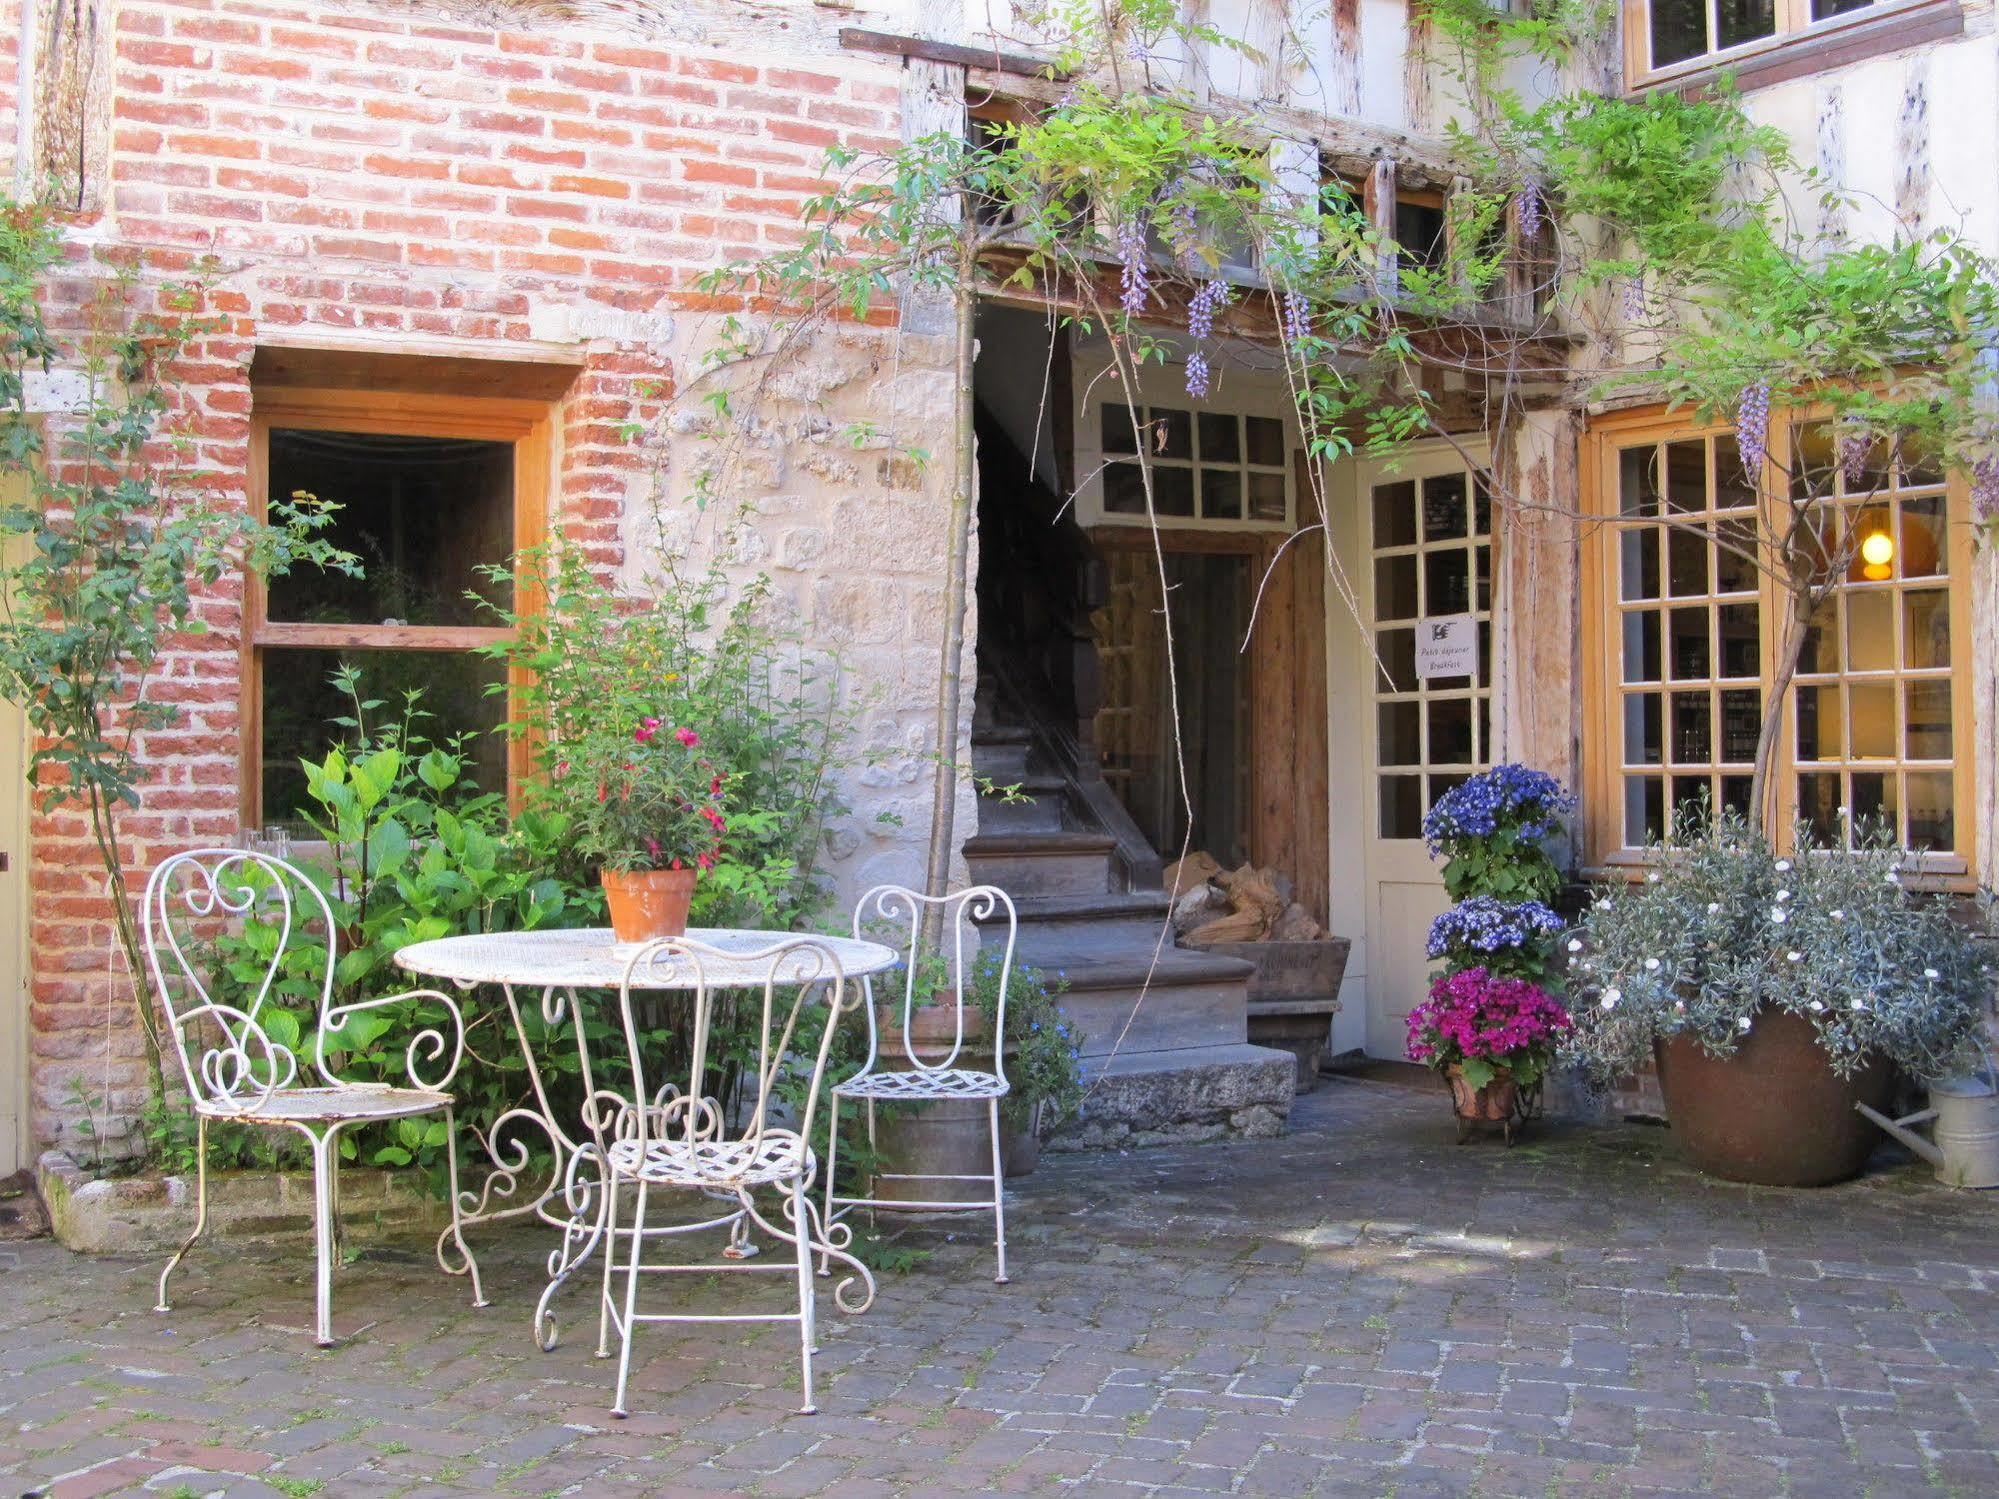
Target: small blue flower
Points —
{"points": [[1485, 925], [1526, 800]]}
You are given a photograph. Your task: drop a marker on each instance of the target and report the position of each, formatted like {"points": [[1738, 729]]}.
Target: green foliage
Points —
{"points": [[1723, 927]]}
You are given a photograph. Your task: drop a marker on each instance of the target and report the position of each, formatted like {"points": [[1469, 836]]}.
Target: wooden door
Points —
{"points": [[1427, 554]]}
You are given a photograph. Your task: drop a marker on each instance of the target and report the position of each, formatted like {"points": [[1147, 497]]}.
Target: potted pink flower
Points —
{"points": [[1493, 1036], [646, 804]]}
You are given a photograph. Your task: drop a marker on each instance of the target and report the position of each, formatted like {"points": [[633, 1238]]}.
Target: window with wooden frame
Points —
{"points": [[1766, 41], [433, 492], [1684, 619]]}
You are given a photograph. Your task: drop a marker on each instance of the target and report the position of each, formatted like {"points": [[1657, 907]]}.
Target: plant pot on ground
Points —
{"points": [[1774, 992], [1492, 1035]]}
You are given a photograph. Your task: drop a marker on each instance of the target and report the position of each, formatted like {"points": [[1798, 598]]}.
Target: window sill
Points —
{"points": [[1817, 49]]}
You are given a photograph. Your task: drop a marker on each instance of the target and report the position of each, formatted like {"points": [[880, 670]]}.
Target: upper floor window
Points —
{"points": [[1671, 38]]}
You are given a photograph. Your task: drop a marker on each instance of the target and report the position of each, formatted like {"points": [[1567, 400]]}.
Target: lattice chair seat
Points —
{"points": [[925, 1083], [775, 1156], [350, 1101]]}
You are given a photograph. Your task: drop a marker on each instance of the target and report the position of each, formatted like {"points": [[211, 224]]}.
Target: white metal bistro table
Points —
{"points": [[558, 964]]}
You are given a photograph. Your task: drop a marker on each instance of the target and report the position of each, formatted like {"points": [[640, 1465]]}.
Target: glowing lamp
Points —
{"points": [[1877, 551]]}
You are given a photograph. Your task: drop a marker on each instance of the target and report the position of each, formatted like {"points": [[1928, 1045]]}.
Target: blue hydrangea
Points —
{"points": [[1485, 925], [1507, 795]]}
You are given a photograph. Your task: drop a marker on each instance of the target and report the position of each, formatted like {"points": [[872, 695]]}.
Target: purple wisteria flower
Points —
{"points": [[1533, 208], [1297, 319], [1134, 277], [1752, 427], [1208, 298], [1197, 375], [1985, 488]]}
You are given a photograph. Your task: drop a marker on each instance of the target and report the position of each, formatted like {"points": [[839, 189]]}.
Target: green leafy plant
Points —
{"points": [[1723, 927], [640, 796]]}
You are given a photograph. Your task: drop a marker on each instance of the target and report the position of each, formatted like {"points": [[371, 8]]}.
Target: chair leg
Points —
{"points": [[631, 1298], [458, 1208], [832, 1164], [999, 1192], [325, 1185], [608, 1216], [874, 1160], [803, 1224], [200, 1206]]}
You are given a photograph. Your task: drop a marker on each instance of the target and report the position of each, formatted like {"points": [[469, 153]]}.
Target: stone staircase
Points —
{"points": [[1165, 1031]]}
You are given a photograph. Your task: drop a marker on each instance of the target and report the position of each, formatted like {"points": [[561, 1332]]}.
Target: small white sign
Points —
{"points": [[1447, 646]]}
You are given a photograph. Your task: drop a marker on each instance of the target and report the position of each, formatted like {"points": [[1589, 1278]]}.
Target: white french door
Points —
{"points": [[1425, 554]]}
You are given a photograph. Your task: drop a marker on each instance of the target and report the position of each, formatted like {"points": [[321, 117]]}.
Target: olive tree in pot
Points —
{"points": [[1774, 994]]}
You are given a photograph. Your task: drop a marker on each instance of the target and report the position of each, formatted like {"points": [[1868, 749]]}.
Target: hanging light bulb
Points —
{"points": [[1877, 552]]}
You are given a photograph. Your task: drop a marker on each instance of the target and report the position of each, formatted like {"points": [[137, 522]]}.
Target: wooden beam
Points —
{"points": [[1018, 64]]}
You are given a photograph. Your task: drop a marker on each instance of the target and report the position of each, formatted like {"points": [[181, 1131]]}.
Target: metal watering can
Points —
{"points": [[1964, 1130]]}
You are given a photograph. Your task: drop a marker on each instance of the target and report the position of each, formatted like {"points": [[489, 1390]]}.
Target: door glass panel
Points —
{"points": [[1929, 736], [1395, 515], [1872, 720], [1932, 822], [1446, 582], [1401, 740], [1926, 628], [1221, 437], [1444, 514], [1820, 724], [1395, 588], [1870, 631]]}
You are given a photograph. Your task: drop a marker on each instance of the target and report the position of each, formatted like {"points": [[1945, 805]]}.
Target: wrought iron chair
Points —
{"points": [[944, 919], [241, 1063], [651, 1134]]}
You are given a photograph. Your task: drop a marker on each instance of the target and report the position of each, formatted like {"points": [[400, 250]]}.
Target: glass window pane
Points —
{"points": [[1916, 464], [1687, 645], [1826, 9], [1169, 434], [1926, 628], [1124, 489], [1735, 794], [1741, 726], [1440, 784], [1818, 807], [1643, 737], [1870, 631], [1401, 806], [1266, 496], [1686, 563], [1118, 434], [1732, 489], [1221, 437], [1447, 582], [1928, 727], [1739, 21], [1395, 588], [1924, 550], [424, 514], [1401, 734], [1173, 491], [1641, 645], [1873, 717], [1932, 816], [1741, 639], [1679, 30], [1820, 723], [1395, 514], [1693, 728], [1821, 648], [1735, 572], [1637, 481], [1686, 476], [1638, 551], [1874, 800], [1481, 508], [1444, 514], [1644, 809], [1396, 669], [1482, 556], [1450, 731], [1221, 493], [300, 704], [1265, 436], [1814, 466]]}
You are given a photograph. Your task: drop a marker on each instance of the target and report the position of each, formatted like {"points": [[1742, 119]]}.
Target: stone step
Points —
{"points": [[1045, 863], [1038, 804], [1151, 1097], [1120, 1003], [1001, 753]]}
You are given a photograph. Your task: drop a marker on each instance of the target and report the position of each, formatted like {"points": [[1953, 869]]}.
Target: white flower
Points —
{"points": [[1795, 956], [1652, 963], [1930, 973], [1742, 1024], [1713, 906], [1779, 915], [1783, 866], [1815, 1007], [1839, 915], [1894, 877], [1652, 878], [1575, 944], [1783, 895], [1611, 997], [1858, 1004], [1679, 1007]]}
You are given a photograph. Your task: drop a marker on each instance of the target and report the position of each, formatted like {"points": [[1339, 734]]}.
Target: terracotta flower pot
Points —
{"points": [[1492, 1104], [646, 904], [1774, 1113]]}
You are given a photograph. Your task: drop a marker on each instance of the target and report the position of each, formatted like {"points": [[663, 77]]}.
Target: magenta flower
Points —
{"points": [[1477, 1014], [687, 737], [646, 729]]}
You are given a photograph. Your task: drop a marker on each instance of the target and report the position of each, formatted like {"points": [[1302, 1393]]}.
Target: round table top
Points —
{"points": [[591, 958]]}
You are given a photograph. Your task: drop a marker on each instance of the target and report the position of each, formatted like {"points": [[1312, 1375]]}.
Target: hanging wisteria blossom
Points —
{"points": [[1853, 446], [1207, 299], [1532, 209], [1752, 426], [1197, 375], [1297, 319], [1134, 280], [1985, 488]]}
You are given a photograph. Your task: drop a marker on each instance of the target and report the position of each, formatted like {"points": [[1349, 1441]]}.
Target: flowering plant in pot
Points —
{"points": [[1774, 992], [1492, 1035], [646, 807]]}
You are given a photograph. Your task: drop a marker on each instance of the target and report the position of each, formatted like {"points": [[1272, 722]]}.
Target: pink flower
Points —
{"points": [[646, 729], [704, 861], [686, 736]]}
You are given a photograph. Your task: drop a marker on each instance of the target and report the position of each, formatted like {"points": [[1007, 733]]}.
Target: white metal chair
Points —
{"points": [[916, 1078], [653, 1135], [236, 1069]]}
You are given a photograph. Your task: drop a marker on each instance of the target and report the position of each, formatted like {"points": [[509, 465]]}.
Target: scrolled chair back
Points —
{"points": [[231, 1061], [947, 921], [797, 991]]}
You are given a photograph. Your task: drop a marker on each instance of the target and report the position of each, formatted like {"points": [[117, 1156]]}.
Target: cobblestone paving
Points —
{"points": [[1359, 1308]]}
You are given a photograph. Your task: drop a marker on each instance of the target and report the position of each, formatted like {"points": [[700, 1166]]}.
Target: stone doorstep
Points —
{"points": [[151, 1214], [1173, 1097]]}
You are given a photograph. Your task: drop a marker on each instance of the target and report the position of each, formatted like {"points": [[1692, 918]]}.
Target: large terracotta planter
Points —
{"points": [[1774, 1113], [1498, 1102], [647, 904]]}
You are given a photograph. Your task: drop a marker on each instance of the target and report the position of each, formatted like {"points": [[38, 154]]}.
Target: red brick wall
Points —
{"points": [[362, 172]]}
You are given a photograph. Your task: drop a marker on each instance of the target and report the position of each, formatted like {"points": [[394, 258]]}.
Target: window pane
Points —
{"points": [[1444, 516], [1870, 631], [1169, 434], [1734, 572], [1173, 491], [1642, 734], [1396, 670], [1679, 30], [1874, 802], [1265, 436], [1401, 806], [1686, 562], [1741, 640], [1929, 720], [1395, 514], [1818, 807], [1124, 489], [1450, 731], [1923, 549], [1687, 644], [1447, 582], [1221, 493], [1481, 508], [1873, 712], [424, 515], [1644, 809], [1825, 9], [1932, 819], [1821, 647], [1739, 21], [1693, 728], [1641, 645], [1395, 588], [1482, 557], [1637, 482], [1266, 496], [1639, 553], [1926, 627], [1686, 476], [300, 703], [1221, 439], [1741, 725], [1735, 794], [1118, 436], [1401, 734], [1820, 732]]}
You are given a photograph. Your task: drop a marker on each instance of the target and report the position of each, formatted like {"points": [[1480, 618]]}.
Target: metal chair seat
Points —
{"points": [[349, 1101], [925, 1083], [774, 1156]]}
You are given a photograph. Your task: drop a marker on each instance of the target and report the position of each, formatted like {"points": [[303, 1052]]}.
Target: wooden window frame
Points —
{"points": [[1799, 47], [1603, 849], [525, 424]]}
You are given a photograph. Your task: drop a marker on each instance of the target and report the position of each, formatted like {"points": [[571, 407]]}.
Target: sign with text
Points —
{"points": [[1447, 646]]}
